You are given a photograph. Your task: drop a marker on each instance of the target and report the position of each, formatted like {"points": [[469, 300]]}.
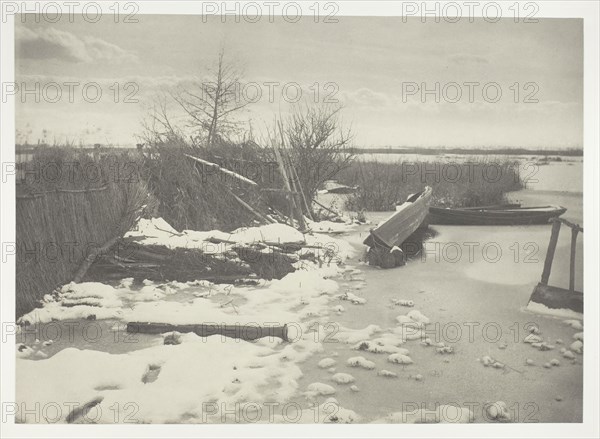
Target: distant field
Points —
{"points": [[575, 152]]}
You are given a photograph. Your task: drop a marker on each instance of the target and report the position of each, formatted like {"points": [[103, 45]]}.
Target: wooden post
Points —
{"points": [[286, 183], [306, 206], [550, 252], [294, 207], [574, 232]]}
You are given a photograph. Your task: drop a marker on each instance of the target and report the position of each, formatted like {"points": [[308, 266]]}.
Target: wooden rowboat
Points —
{"points": [[506, 215], [408, 217]]}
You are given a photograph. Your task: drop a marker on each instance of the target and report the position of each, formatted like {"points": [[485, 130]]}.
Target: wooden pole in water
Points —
{"points": [[550, 252], [574, 232]]}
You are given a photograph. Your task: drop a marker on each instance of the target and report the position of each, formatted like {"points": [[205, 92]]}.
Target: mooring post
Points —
{"points": [[550, 252], [574, 232]]}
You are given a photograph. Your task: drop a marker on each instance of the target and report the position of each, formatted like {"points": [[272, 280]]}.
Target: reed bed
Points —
{"points": [[474, 182], [62, 218], [71, 202]]}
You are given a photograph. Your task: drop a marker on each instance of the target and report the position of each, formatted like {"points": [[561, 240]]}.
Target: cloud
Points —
{"points": [[465, 58], [367, 97], [49, 43]]}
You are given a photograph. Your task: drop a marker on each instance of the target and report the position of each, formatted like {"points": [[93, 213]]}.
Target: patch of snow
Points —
{"points": [[387, 374], [352, 336], [352, 298], [498, 411], [330, 412], [402, 302], [318, 389], [379, 347], [126, 283], [330, 226], [409, 332], [157, 231], [400, 359], [532, 338], [575, 324], [445, 414], [343, 378], [77, 301], [418, 317], [360, 362], [540, 308], [326, 363]]}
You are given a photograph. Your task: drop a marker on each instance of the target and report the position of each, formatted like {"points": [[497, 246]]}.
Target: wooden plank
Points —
{"points": [[244, 332], [574, 233], [550, 252], [569, 223], [223, 170]]}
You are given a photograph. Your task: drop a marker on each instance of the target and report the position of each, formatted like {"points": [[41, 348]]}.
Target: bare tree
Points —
{"points": [[317, 145], [158, 127], [209, 105]]}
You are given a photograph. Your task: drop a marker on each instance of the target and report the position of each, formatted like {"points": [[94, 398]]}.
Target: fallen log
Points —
{"points": [[244, 332]]}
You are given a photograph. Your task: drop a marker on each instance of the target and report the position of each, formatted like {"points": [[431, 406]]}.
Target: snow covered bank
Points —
{"points": [[197, 374], [195, 379], [157, 231]]}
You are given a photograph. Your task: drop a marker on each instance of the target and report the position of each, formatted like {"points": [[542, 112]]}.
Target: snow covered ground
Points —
{"points": [[196, 379]]}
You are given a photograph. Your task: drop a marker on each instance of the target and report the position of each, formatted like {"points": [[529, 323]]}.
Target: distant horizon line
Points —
{"points": [[520, 150], [386, 147]]}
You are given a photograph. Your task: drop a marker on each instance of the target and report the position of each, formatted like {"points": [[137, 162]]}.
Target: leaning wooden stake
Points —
{"points": [[574, 232], [550, 252], [327, 208], [286, 183], [250, 209], [293, 207], [306, 206]]}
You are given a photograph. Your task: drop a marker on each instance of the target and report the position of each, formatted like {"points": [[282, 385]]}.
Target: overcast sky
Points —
{"points": [[371, 60]]}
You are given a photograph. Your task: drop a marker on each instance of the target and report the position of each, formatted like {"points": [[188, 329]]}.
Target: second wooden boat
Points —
{"points": [[506, 215]]}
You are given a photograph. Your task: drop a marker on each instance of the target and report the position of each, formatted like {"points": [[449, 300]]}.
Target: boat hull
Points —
{"points": [[403, 223], [494, 217]]}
